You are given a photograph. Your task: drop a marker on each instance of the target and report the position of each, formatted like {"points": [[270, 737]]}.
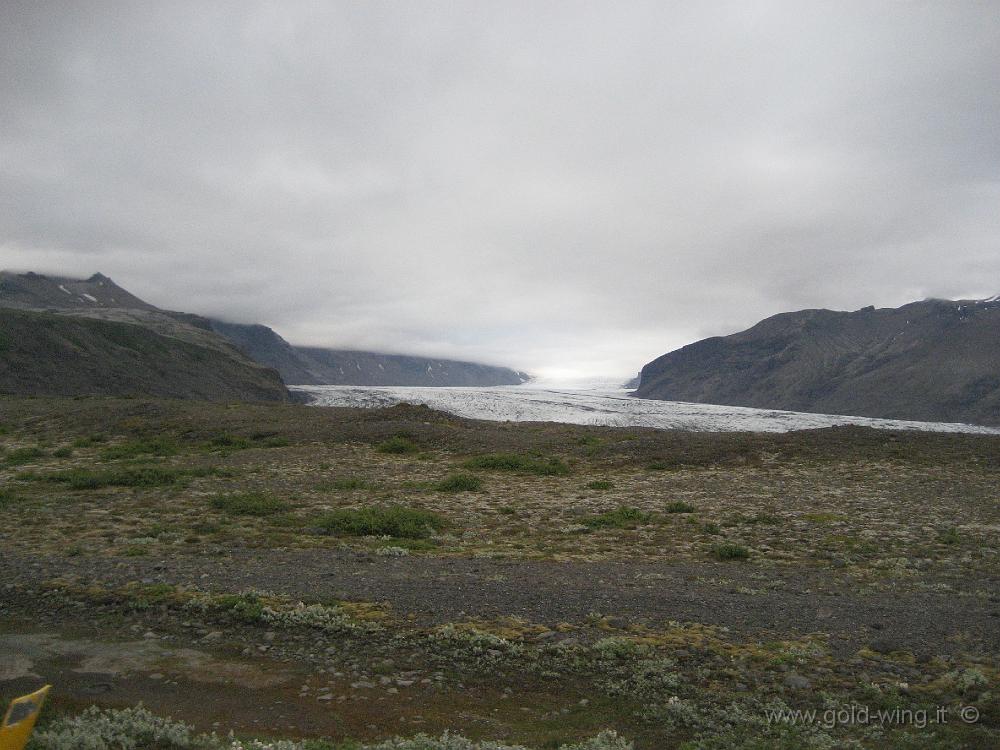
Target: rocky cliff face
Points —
{"points": [[62, 336], [302, 365], [936, 360]]}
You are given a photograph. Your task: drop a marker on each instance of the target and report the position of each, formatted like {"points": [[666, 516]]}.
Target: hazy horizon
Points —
{"points": [[546, 377], [568, 189]]}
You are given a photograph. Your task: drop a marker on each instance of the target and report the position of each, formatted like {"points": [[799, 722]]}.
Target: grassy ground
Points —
{"points": [[111, 497]]}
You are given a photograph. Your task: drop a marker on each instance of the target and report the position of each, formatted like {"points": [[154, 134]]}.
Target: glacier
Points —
{"points": [[601, 403]]}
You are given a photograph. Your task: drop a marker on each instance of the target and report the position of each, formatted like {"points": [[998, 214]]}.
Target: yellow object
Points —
{"points": [[20, 719]]}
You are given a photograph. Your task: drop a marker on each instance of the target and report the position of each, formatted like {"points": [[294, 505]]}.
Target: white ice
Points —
{"points": [[602, 404]]}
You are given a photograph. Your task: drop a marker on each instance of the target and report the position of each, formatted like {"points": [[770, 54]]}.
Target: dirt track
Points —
{"points": [[437, 590]]}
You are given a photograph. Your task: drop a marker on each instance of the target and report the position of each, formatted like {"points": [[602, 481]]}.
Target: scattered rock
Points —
{"points": [[797, 681], [884, 646]]}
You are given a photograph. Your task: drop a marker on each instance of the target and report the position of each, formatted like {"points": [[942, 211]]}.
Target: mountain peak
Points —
{"points": [[35, 291]]}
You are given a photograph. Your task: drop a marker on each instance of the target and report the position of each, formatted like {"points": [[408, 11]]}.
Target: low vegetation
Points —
{"points": [[519, 463], [730, 551], [460, 483], [400, 444], [752, 521], [26, 455], [128, 728], [949, 536], [345, 484], [622, 517], [392, 521], [250, 504], [156, 446], [679, 506], [139, 476], [7, 498]]}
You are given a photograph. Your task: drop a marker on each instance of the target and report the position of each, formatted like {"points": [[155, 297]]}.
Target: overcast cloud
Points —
{"points": [[563, 187]]}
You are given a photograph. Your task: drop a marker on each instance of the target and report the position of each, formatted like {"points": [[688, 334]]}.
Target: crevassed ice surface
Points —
{"points": [[601, 404]]}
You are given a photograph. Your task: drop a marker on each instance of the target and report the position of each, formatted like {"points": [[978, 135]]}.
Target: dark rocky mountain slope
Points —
{"points": [[935, 360], [259, 354], [263, 345], [63, 336], [44, 354], [301, 365]]}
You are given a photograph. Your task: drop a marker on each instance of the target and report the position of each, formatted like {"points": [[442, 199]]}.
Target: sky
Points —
{"points": [[569, 188]]}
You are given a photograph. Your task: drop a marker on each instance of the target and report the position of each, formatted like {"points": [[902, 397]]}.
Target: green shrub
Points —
{"points": [[230, 441], [399, 444], [249, 504], [130, 728], [519, 463], [622, 517], [679, 506], [156, 593], [226, 442], [730, 551], [276, 442], [140, 476], [245, 607], [710, 528], [600, 484], [20, 456], [460, 483], [63, 452], [949, 536], [86, 442], [145, 447], [344, 484], [103, 729], [396, 521]]}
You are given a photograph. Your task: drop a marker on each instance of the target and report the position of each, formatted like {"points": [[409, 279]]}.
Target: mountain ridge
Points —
{"points": [[933, 360], [74, 337], [311, 365], [44, 354], [98, 297]]}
